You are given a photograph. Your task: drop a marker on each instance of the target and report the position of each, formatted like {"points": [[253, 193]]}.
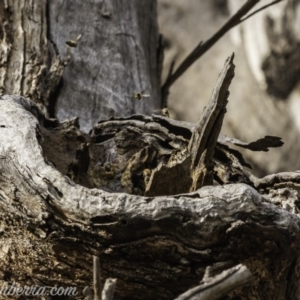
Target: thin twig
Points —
{"points": [[203, 48], [97, 278], [260, 9], [218, 286]]}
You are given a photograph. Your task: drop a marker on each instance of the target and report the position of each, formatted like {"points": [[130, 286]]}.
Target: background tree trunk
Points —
{"points": [[103, 74], [116, 57], [67, 195]]}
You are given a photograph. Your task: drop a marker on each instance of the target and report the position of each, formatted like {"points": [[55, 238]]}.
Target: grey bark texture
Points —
{"points": [[118, 54], [122, 192]]}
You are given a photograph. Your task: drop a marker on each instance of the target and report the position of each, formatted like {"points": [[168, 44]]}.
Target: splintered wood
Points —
{"points": [[205, 135]]}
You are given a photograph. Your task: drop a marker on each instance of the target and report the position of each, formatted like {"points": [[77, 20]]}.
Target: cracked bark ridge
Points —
{"points": [[27, 55]]}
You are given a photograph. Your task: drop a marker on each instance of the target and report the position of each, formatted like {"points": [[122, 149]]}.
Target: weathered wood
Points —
{"points": [[213, 288], [157, 247], [143, 241], [205, 135]]}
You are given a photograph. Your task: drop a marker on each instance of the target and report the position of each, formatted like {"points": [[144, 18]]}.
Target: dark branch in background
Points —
{"points": [[202, 48], [171, 69], [260, 9]]}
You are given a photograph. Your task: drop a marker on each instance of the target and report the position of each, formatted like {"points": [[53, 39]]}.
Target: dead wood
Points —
{"points": [[161, 245], [218, 286], [68, 196], [205, 135]]}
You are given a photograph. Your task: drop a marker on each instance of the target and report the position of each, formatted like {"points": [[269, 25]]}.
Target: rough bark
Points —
{"points": [[68, 197], [156, 247], [24, 49], [116, 56]]}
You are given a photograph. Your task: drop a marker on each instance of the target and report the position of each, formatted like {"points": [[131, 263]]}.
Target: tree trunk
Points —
{"points": [[116, 56], [122, 192]]}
